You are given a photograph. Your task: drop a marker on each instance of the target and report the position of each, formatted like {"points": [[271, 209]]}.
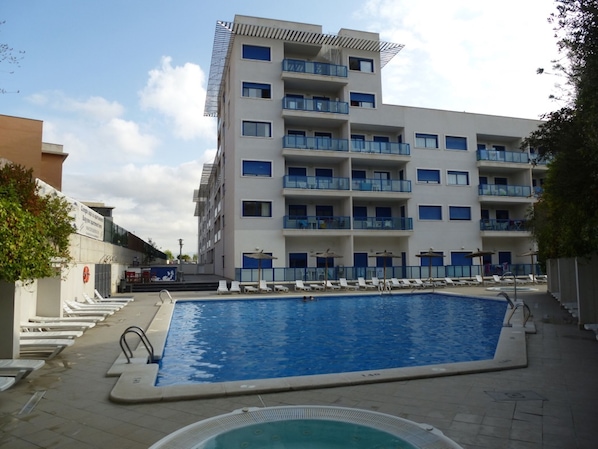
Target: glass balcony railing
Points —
{"points": [[315, 68], [504, 190], [315, 143], [517, 157], [488, 224], [381, 185], [315, 182], [316, 222], [369, 146], [383, 223], [315, 105]]}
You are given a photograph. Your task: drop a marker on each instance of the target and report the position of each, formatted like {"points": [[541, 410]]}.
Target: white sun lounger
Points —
{"points": [[250, 289], [92, 302], [86, 313], [50, 334], [57, 325], [264, 287], [281, 288], [235, 287], [50, 346], [19, 368], [101, 307], [65, 319], [6, 382], [361, 282], [112, 298], [332, 286], [222, 287], [299, 285], [344, 284]]}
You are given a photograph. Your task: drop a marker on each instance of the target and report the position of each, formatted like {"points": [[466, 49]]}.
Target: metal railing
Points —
{"points": [[490, 224], [316, 222], [370, 146], [315, 143], [381, 185], [504, 190], [315, 68], [383, 223], [315, 182], [315, 105], [517, 157]]}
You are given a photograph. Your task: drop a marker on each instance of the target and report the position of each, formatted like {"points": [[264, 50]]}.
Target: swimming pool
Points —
{"points": [[137, 380], [235, 340]]}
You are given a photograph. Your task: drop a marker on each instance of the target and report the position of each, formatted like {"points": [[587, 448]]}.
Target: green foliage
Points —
{"points": [[565, 220], [34, 229]]}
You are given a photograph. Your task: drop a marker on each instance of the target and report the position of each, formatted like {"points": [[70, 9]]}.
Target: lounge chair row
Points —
{"points": [[49, 336]]}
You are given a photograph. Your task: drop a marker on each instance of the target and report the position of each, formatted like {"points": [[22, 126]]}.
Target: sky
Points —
{"points": [[121, 83]]}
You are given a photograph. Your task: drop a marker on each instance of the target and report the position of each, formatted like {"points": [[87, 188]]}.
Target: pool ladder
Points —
{"points": [[142, 337]]}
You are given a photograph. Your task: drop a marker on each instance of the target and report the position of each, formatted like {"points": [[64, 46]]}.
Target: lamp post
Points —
{"points": [[180, 251]]}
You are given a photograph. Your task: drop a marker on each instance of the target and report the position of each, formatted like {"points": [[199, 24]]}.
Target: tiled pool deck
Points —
{"points": [[553, 403]]}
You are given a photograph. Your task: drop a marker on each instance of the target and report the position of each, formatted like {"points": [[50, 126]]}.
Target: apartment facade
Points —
{"points": [[311, 159]]}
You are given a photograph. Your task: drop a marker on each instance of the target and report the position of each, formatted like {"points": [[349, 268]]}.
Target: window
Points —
{"points": [[361, 64], [257, 90], [252, 263], [297, 260], [323, 172], [358, 174], [499, 148], [457, 178], [456, 143], [428, 176], [297, 171], [426, 140], [298, 211], [430, 212], [257, 208], [358, 141], [363, 100], [256, 52], [257, 129], [257, 168], [459, 213]]}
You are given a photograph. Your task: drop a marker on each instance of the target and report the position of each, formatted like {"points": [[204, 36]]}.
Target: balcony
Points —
{"points": [[381, 185], [505, 190], [315, 143], [383, 223], [315, 182], [315, 105], [487, 224], [516, 157], [369, 146], [316, 222], [314, 68]]}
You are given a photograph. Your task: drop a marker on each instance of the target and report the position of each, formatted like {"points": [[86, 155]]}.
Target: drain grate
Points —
{"points": [[515, 395], [32, 402]]}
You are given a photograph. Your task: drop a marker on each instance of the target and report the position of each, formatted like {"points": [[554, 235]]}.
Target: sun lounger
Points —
{"points": [[394, 283], [458, 283], [235, 287], [264, 287], [19, 368], [345, 285], [50, 346], [100, 298], [68, 311], [57, 325], [250, 289], [498, 280], [222, 287], [332, 286], [6, 382], [281, 288], [423, 284], [50, 334], [85, 306], [66, 319], [408, 284], [317, 286], [362, 284], [93, 302], [300, 286]]}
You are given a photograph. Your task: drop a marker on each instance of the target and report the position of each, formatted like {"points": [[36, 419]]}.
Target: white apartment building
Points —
{"points": [[311, 159]]}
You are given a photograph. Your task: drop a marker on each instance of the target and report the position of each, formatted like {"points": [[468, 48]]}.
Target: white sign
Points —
{"points": [[87, 221]]}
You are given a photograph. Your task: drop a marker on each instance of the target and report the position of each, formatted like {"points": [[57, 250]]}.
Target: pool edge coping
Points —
{"points": [[136, 382]]}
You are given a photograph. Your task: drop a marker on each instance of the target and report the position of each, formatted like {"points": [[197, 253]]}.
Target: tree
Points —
{"points": [[565, 219], [8, 55], [34, 229]]}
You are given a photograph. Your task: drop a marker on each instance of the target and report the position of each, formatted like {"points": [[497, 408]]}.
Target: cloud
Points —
{"points": [[94, 107], [477, 57], [151, 201], [178, 94]]}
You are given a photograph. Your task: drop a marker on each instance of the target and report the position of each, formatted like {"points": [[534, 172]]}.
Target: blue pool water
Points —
{"points": [[226, 340]]}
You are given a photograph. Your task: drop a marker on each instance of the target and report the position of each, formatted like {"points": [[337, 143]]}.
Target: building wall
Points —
{"points": [[21, 142], [225, 235]]}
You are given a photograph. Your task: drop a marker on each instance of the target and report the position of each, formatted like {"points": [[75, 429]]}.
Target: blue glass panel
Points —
{"points": [[256, 52]]}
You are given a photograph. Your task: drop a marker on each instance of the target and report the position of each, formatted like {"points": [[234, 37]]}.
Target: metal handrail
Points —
{"points": [[142, 337]]}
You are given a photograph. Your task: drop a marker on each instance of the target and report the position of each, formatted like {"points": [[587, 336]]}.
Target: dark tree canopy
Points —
{"points": [[565, 219]]}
